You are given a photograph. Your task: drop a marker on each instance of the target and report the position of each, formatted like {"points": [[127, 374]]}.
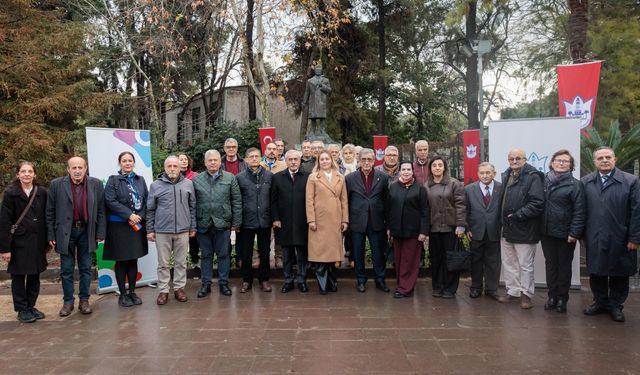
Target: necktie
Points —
{"points": [[605, 180], [293, 177], [487, 196]]}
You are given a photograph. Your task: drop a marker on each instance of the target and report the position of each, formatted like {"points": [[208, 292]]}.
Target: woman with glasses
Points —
{"points": [[563, 222]]}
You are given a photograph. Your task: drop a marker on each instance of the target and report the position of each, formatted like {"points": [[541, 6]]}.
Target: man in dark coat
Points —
{"points": [[255, 185], [483, 229], [75, 224], [367, 190], [289, 216], [522, 205], [612, 233]]}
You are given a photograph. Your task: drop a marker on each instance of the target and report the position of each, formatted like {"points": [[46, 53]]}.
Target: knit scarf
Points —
{"points": [[406, 183], [390, 170]]}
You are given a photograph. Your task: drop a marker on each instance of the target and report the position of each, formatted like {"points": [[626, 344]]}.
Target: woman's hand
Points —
{"points": [[312, 226], [344, 226], [6, 257], [135, 218], [459, 231], [422, 237]]}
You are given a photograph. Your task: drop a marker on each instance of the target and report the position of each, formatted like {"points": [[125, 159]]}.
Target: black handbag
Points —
{"points": [[458, 259]]}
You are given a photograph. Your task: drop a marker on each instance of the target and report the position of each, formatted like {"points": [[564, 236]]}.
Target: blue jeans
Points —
{"points": [[215, 241], [378, 242], [78, 247]]}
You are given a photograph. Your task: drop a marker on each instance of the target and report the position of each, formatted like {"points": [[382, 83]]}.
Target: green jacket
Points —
{"points": [[218, 201]]}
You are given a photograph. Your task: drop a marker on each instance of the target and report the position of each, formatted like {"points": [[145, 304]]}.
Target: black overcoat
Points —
{"points": [[613, 220], [365, 208], [288, 206], [408, 213], [29, 245]]}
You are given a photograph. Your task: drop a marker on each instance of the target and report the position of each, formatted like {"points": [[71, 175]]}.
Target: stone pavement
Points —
{"points": [[342, 333]]}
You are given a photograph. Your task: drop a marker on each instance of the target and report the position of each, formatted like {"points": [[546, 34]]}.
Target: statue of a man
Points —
{"points": [[315, 98]]}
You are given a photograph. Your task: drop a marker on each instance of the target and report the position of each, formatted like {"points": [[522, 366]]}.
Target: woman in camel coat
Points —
{"points": [[328, 217]]}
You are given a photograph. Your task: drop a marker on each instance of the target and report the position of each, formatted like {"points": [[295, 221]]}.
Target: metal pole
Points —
{"points": [[480, 107]]}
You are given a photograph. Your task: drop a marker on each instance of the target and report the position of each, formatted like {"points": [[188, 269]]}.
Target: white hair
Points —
{"points": [[422, 142], [209, 152]]}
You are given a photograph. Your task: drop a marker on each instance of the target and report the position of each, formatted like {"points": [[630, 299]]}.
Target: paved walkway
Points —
{"points": [[342, 333]]}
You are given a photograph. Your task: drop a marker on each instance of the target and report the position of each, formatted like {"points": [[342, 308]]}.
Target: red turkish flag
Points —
{"points": [[379, 144], [578, 90], [471, 150], [266, 136]]}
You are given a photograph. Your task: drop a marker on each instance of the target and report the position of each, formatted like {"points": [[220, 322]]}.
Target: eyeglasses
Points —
{"points": [[366, 160], [391, 155], [517, 158], [561, 161]]}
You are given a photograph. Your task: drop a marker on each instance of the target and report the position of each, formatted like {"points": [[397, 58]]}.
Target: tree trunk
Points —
{"points": [[578, 25], [249, 36], [382, 52], [472, 69]]}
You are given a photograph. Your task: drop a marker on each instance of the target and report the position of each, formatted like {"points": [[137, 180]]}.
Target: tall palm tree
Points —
{"points": [[626, 146]]}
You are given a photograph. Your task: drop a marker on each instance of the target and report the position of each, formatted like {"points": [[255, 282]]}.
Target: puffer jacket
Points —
{"points": [[447, 204], [219, 201], [522, 205], [564, 207], [255, 190]]}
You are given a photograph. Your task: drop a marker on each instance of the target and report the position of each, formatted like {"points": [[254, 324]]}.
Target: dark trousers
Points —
{"points": [[215, 241], [126, 272], [485, 265], [443, 279], [246, 239], [348, 246], [406, 252], [78, 248], [194, 250], [609, 292], [558, 255], [325, 273], [377, 240], [25, 290], [291, 254]]}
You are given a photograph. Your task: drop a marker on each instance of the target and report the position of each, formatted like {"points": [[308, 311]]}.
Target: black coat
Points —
{"points": [[361, 204], [118, 199], [288, 206], [564, 208], [407, 210], [613, 220], [29, 245], [255, 189], [524, 201]]}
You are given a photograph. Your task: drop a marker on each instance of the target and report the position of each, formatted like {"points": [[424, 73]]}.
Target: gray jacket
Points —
{"points": [[171, 207]]}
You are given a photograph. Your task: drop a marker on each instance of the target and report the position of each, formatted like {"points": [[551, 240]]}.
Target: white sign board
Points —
{"points": [[103, 147], [540, 138]]}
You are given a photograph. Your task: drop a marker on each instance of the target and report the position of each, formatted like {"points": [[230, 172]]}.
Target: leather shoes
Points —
{"points": [[398, 294], [162, 298], [551, 304], [37, 313], [448, 295], [436, 293], [84, 307], [493, 295], [287, 287], [180, 295], [382, 286], [595, 309], [561, 307], [474, 293], [303, 288], [525, 302], [265, 286], [204, 291], [225, 290], [617, 315], [246, 286], [361, 288], [66, 309]]}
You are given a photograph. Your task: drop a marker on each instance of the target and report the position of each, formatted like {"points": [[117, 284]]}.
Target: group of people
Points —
{"points": [[317, 203]]}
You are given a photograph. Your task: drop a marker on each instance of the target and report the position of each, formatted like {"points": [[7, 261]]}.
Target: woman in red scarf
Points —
{"points": [[408, 223]]}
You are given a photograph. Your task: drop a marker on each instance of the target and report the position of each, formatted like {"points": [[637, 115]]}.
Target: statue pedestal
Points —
{"points": [[321, 136]]}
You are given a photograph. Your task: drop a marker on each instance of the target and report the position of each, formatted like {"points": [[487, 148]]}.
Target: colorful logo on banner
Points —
{"points": [[139, 140], [578, 91], [267, 135], [538, 162], [471, 141], [379, 145]]}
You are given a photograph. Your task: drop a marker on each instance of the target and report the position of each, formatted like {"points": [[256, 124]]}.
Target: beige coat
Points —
{"points": [[327, 206]]}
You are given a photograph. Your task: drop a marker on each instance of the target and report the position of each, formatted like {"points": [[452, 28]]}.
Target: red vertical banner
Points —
{"points": [[471, 148], [379, 144], [578, 91], [266, 136]]}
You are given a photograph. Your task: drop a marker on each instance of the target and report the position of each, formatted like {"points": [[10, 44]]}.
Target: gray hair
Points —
{"points": [[349, 146], [209, 152], [230, 140], [487, 164], [366, 151], [333, 146], [421, 142], [291, 152], [390, 148], [171, 157]]}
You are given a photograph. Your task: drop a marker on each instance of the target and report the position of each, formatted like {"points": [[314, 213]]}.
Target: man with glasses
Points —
{"points": [[522, 204], [612, 233], [231, 162], [390, 166], [367, 190]]}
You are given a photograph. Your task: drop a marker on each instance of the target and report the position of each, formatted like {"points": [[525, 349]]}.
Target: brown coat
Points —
{"points": [[447, 201], [327, 206]]}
